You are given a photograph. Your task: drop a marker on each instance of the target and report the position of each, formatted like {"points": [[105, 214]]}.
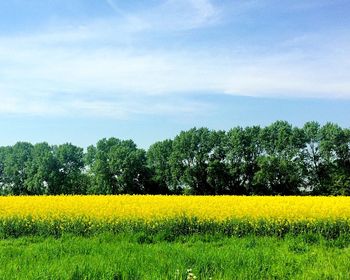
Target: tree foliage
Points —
{"points": [[278, 159], [116, 166]]}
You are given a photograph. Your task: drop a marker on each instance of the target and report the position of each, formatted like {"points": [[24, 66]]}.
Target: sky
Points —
{"points": [[81, 70]]}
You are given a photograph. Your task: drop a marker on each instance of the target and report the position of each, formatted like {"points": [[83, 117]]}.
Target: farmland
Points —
{"points": [[174, 215], [161, 237]]}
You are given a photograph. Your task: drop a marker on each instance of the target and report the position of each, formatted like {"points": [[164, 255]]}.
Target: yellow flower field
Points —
{"points": [[149, 208], [176, 215]]}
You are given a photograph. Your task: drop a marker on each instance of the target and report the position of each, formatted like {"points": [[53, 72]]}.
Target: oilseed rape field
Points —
{"points": [[174, 215]]}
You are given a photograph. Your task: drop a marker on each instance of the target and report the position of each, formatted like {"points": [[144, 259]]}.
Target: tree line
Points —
{"points": [[279, 159]]}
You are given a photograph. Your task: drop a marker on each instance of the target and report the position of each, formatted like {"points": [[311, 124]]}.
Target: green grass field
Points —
{"points": [[134, 256]]}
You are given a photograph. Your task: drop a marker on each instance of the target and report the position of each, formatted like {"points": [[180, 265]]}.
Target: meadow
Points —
{"points": [[120, 256]]}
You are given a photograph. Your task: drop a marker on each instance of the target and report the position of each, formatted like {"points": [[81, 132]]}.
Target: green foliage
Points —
{"points": [[41, 170], [193, 153], [15, 165], [158, 162], [279, 166], [242, 150], [278, 159], [70, 163], [117, 166]]}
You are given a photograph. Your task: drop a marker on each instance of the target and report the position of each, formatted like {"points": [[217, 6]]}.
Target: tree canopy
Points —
{"points": [[278, 159]]}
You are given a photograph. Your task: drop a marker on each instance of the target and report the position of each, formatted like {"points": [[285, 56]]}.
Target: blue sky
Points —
{"points": [[80, 70]]}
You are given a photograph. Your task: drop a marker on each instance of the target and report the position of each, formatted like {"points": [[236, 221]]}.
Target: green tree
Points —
{"points": [[42, 170], [116, 166], [4, 153], [335, 151], [158, 162], [128, 166], [242, 153], [280, 165], [315, 172], [70, 163], [218, 173], [190, 160], [15, 168]]}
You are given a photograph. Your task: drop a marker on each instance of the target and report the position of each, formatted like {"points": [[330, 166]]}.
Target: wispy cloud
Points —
{"points": [[171, 15], [184, 14], [115, 7], [122, 66]]}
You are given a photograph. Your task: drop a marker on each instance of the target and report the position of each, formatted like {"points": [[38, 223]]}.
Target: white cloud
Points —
{"points": [[105, 68]]}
